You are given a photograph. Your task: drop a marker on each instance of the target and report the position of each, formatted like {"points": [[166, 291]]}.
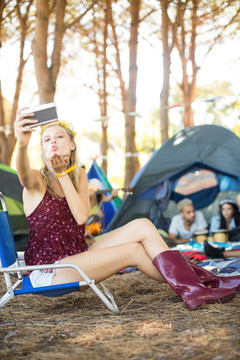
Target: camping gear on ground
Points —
{"points": [[220, 235], [200, 162], [194, 255], [212, 280], [201, 235], [93, 226], [226, 267], [178, 273], [10, 264]]}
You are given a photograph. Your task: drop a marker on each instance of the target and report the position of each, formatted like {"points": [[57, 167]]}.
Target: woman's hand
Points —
{"points": [[23, 133], [114, 193], [29, 178], [59, 163]]}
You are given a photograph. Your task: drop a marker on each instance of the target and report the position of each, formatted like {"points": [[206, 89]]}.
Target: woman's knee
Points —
{"points": [[143, 223], [145, 226], [135, 249]]}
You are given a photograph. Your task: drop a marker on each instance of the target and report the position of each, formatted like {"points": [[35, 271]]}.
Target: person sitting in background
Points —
{"points": [[238, 201], [228, 217], [95, 221], [186, 223], [94, 185]]}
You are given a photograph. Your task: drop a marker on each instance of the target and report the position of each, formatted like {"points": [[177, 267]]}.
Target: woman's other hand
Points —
{"points": [[59, 163]]}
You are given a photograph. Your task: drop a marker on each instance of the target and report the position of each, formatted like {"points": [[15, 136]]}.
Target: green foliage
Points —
{"points": [[147, 144], [150, 140], [223, 110], [216, 103], [92, 135], [220, 103], [215, 89]]}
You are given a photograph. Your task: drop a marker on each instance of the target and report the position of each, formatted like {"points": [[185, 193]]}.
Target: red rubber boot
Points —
{"points": [[178, 273]]}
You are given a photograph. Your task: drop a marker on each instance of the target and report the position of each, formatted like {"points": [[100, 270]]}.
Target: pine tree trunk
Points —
{"points": [[47, 74], [104, 144], [166, 73], [132, 162], [7, 137]]}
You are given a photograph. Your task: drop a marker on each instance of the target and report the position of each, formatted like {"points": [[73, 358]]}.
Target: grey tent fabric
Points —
{"points": [[209, 145], [212, 145]]}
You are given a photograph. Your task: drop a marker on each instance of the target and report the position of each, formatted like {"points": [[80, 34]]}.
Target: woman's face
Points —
{"points": [[55, 140], [227, 211]]}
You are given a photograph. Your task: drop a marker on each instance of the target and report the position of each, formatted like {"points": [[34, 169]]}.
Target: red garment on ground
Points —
{"points": [[53, 232], [193, 254]]}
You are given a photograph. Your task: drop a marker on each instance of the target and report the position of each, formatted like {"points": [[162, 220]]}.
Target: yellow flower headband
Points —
{"points": [[64, 124]]}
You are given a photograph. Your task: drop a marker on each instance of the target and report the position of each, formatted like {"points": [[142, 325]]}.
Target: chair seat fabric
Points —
{"points": [[50, 291]]}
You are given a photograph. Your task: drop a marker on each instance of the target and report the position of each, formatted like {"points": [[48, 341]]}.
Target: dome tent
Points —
{"points": [[206, 147]]}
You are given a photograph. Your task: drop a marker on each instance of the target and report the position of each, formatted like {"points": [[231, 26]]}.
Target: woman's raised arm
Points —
{"points": [[23, 133]]}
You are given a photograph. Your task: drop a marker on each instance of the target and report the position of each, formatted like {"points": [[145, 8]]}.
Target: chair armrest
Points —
{"points": [[43, 267]]}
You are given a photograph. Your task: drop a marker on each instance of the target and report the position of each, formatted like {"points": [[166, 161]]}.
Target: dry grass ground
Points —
{"points": [[154, 324]]}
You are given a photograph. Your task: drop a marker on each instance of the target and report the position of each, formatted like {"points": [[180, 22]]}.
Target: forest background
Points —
{"points": [[127, 74]]}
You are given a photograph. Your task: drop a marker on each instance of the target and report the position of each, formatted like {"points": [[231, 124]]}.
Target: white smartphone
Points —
{"points": [[45, 113]]}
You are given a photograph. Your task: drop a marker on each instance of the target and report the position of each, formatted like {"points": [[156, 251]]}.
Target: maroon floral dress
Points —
{"points": [[53, 232]]}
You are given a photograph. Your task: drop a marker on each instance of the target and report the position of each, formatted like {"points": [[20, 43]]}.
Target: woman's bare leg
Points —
{"points": [[101, 263], [134, 244], [139, 230], [231, 253]]}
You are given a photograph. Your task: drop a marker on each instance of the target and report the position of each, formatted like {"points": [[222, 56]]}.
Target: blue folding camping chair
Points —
{"points": [[10, 265]]}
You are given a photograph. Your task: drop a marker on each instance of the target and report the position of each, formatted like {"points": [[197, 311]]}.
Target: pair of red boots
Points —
{"points": [[195, 285]]}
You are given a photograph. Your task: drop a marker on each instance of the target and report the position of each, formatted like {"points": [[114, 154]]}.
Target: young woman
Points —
{"points": [[228, 217], [56, 204]]}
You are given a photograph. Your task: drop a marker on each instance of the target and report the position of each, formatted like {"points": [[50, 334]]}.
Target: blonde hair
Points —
{"points": [[48, 174], [183, 203]]}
